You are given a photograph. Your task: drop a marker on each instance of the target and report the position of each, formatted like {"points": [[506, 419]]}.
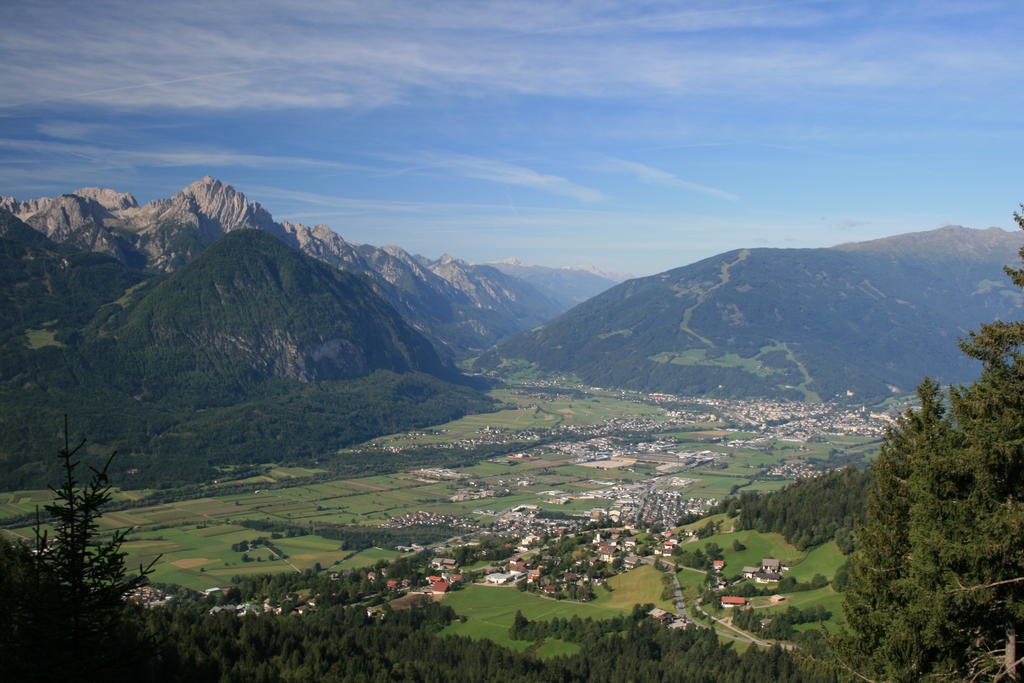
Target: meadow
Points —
{"points": [[636, 587], [490, 610]]}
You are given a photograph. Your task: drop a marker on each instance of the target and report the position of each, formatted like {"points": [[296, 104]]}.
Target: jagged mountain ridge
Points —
{"points": [[462, 308], [861, 321]]}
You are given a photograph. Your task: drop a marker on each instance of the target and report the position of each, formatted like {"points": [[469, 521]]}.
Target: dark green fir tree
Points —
{"points": [[66, 598], [937, 586]]}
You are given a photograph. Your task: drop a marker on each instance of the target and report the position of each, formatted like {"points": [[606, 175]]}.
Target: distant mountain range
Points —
{"points": [[569, 285], [250, 352], [462, 308], [858, 321]]}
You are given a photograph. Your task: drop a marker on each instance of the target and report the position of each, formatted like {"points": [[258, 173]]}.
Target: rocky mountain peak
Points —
{"points": [[448, 259], [215, 207], [459, 306], [60, 216], [112, 200]]}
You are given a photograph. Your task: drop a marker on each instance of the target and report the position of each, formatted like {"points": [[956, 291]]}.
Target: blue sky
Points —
{"points": [[637, 136]]}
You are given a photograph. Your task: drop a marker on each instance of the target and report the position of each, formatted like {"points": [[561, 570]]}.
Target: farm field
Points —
{"points": [[201, 557], [365, 558], [490, 611], [824, 597], [636, 587], [528, 412], [182, 529], [825, 560]]}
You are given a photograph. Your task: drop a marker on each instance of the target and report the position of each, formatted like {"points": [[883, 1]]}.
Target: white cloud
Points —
{"points": [[656, 176], [500, 172], [45, 151]]}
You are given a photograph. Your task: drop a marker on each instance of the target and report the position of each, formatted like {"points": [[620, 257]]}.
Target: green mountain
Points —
{"points": [[252, 352], [857, 321]]}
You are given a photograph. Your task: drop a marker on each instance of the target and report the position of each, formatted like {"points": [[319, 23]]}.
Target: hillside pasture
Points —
{"points": [[490, 611], [636, 587], [825, 560]]}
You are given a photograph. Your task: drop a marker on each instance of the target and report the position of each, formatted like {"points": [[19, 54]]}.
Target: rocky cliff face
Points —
{"points": [[462, 308]]}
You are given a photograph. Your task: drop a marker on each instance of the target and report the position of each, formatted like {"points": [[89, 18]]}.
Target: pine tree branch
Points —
{"points": [[962, 587]]}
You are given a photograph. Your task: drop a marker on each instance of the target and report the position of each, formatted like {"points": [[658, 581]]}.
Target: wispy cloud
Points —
{"points": [[501, 172], [45, 151], [262, 54], [656, 176]]}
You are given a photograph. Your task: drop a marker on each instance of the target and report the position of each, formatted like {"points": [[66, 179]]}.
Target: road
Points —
{"points": [[732, 632]]}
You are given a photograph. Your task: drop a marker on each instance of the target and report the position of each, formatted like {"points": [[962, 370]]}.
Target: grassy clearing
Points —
{"points": [[825, 597], [714, 485], [825, 560], [635, 587], [691, 583], [41, 338], [553, 647], [370, 556], [722, 519], [698, 357], [757, 547], [490, 611]]}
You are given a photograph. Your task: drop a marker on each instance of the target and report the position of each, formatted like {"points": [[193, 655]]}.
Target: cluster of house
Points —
{"points": [[730, 602], [530, 570], [474, 494], [305, 604], [668, 541], [441, 582], [423, 518], [148, 596], [668, 619], [608, 546], [770, 570], [257, 608]]}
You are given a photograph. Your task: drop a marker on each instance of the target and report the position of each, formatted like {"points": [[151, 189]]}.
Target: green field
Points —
{"points": [[758, 546], [528, 412], [691, 582], [368, 557], [636, 587], [201, 557], [552, 647], [825, 597], [824, 560], [204, 558], [490, 611]]}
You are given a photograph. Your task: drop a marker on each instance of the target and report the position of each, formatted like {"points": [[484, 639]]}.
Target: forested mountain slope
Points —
{"points": [[252, 352], [858, 321]]}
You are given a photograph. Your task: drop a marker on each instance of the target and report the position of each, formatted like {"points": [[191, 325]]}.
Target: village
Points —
{"points": [[564, 566], [769, 419]]}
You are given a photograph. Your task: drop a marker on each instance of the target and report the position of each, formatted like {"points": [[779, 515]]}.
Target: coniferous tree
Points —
{"points": [[937, 586], [75, 626]]}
